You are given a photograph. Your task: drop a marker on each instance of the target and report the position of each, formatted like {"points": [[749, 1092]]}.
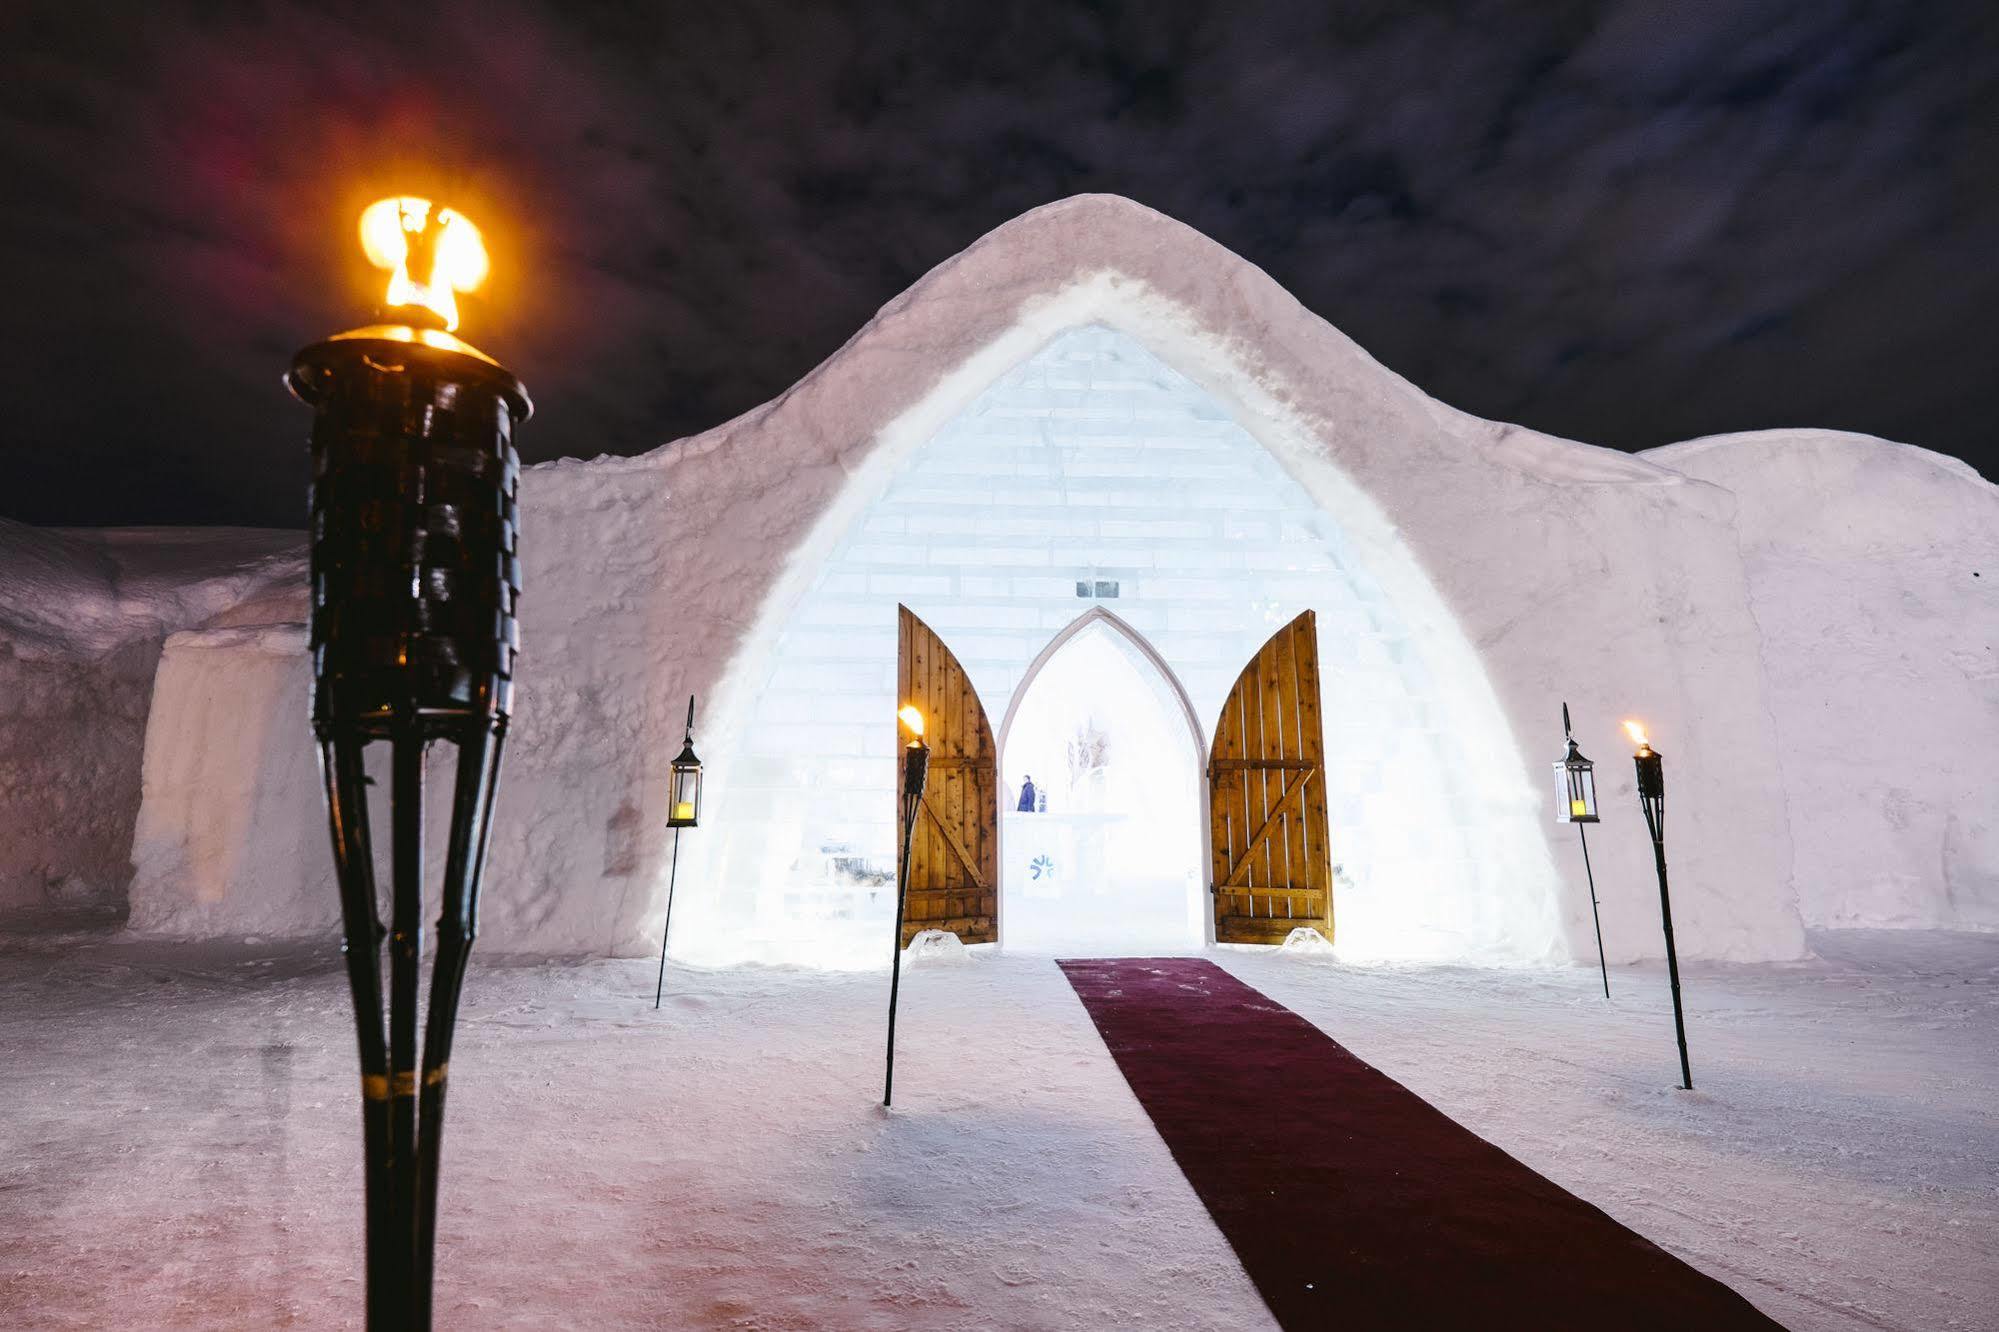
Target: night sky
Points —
{"points": [[1627, 224]]}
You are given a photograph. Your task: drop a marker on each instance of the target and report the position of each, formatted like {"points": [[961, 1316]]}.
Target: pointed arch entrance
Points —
{"points": [[1002, 513], [1101, 766]]}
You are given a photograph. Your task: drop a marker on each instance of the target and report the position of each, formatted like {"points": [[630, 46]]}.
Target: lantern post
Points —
{"points": [[915, 772], [1652, 798], [683, 810], [1575, 802], [415, 580]]}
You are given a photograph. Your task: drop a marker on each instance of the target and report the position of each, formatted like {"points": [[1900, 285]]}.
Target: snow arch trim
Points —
{"points": [[1518, 919]]}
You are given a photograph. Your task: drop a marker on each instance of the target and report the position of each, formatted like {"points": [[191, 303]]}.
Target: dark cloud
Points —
{"points": [[1628, 224]]}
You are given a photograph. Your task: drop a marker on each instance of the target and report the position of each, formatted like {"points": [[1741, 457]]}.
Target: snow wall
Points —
{"points": [[1874, 574], [1540, 570], [82, 618]]}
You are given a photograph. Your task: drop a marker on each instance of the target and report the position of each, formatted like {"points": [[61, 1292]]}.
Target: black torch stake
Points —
{"points": [[915, 771], [415, 580], [1652, 797]]}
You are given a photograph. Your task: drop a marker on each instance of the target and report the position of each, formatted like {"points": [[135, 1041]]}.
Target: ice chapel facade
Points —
{"points": [[1094, 436]]}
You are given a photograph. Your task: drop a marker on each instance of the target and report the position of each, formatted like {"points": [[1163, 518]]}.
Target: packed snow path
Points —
{"points": [[180, 1141]]}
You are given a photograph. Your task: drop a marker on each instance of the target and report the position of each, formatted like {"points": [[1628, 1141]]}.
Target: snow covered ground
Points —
{"points": [[180, 1140]]}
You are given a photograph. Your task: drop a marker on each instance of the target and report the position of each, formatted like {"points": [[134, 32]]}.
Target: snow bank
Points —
{"points": [[937, 948], [1874, 574], [1307, 943], [82, 617], [231, 837]]}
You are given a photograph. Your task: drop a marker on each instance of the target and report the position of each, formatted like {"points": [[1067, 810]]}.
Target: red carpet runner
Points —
{"points": [[1350, 1201]]}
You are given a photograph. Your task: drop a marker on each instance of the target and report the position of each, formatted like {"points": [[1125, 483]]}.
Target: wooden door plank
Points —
{"points": [[1271, 764], [1237, 809], [928, 848], [1220, 790], [1283, 702], [1274, 821], [969, 866], [1311, 727]]}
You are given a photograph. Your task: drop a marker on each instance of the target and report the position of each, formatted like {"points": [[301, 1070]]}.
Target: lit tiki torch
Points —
{"points": [[415, 576], [915, 772], [1652, 798]]}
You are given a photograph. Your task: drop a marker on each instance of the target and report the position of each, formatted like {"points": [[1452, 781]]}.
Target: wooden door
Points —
{"points": [[954, 853], [1272, 871]]}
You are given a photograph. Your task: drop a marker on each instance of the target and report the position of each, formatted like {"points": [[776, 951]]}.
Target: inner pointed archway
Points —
{"points": [[1100, 829]]}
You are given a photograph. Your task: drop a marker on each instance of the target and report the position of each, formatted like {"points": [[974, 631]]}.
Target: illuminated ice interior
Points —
{"points": [[1100, 843], [1093, 475]]}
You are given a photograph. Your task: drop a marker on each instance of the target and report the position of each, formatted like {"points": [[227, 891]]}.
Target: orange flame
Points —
{"points": [[1636, 730], [912, 719], [430, 253]]}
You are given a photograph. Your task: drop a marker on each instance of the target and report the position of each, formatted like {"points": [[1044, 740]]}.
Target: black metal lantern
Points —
{"points": [[1575, 781], [683, 810], [1575, 802], [684, 785], [415, 580]]}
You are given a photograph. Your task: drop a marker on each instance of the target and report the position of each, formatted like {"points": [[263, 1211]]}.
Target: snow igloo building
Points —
{"points": [[1088, 489]]}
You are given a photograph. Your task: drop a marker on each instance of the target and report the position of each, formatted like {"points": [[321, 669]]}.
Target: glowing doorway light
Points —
{"points": [[430, 254]]}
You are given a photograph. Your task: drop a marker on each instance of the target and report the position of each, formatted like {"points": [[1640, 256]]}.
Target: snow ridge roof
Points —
{"points": [[1108, 256]]}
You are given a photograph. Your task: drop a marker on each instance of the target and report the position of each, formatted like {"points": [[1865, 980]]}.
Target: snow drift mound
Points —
{"points": [[82, 618], [1874, 575]]}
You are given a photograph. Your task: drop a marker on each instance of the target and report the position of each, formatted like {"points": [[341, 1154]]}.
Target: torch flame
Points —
{"points": [[431, 253], [1636, 730], [912, 719]]}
